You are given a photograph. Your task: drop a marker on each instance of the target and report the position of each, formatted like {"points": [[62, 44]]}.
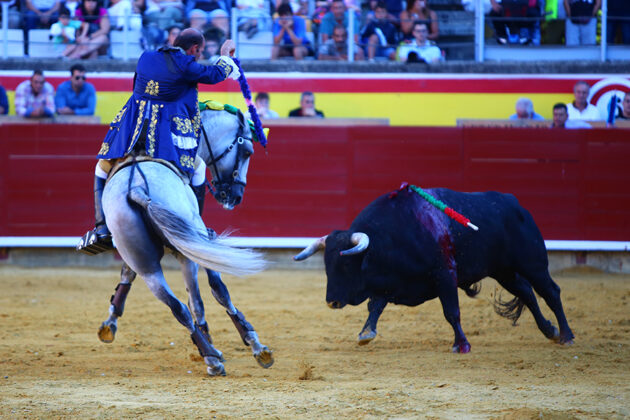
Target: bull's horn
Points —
{"points": [[311, 249], [361, 242]]}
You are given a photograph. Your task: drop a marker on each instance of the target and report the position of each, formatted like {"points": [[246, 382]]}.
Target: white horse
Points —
{"points": [[148, 207]]}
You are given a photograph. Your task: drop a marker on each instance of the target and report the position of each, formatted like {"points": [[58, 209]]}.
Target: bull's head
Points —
{"points": [[344, 252]]}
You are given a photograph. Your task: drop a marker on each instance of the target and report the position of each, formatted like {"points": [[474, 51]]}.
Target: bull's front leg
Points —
{"points": [[375, 307], [447, 292], [107, 331]]}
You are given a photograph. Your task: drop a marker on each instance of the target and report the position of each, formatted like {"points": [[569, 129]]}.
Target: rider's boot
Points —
{"points": [[99, 239]]}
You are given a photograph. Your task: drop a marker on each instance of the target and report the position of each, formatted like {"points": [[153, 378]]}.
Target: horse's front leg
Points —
{"points": [[107, 331], [195, 303], [262, 353]]}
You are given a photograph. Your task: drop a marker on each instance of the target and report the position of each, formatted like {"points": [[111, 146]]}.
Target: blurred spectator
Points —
{"points": [[172, 33], [159, 15], [336, 48], [618, 18], [76, 96], [560, 118], [289, 35], [119, 9], [63, 32], [580, 109], [262, 107], [522, 28], [198, 19], [418, 10], [40, 13], [525, 111], [219, 19], [252, 17], [623, 112], [35, 98], [214, 39], [307, 107], [581, 22], [93, 35], [380, 35], [298, 7], [420, 50], [394, 8], [4, 101], [367, 12], [338, 15]]}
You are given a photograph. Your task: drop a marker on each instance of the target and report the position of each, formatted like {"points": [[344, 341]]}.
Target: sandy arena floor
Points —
{"points": [[52, 364]]}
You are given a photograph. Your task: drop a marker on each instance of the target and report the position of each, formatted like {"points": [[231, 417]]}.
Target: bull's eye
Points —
{"points": [[235, 174], [222, 194]]}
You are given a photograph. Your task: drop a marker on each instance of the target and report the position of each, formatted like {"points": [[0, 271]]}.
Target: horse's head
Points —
{"points": [[225, 145]]}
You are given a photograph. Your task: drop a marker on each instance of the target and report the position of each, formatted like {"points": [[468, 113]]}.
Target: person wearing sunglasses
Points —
{"points": [[76, 96]]}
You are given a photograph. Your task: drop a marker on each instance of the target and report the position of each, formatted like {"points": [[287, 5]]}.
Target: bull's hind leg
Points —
{"points": [[375, 308], [262, 353], [520, 287], [158, 286], [107, 331], [548, 289]]}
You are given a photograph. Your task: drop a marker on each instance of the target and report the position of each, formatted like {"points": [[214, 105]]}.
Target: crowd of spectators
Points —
{"points": [[382, 29]]}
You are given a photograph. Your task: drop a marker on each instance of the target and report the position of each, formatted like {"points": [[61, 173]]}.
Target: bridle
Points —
{"points": [[219, 186]]}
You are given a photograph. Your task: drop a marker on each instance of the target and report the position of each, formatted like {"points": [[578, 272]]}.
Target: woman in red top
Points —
{"points": [[93, 33]]}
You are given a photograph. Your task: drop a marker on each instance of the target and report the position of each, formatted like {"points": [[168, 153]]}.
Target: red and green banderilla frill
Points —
{"points": [[443, 207]]}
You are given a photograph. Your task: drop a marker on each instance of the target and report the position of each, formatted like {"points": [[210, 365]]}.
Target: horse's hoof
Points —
{"points": [[265, 357], [217, 370], [365, 338], [107, 332]]}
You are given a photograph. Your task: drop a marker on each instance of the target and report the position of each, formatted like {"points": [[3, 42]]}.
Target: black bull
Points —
{"points": [[400, 249]]}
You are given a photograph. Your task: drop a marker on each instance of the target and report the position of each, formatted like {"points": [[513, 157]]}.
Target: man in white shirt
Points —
{"points": [[420, 49], [580, 109], [560, 118]]}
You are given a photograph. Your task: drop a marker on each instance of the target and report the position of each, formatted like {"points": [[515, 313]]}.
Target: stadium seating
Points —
{"points": [[132, 50], [15, 43], [40, 45], [258, 47]]}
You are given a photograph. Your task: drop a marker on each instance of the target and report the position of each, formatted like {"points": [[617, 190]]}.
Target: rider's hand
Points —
{"points": [[228, 48]]}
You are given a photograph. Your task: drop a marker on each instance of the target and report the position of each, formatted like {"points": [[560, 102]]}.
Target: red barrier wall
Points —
{"points": [[315, 179]]}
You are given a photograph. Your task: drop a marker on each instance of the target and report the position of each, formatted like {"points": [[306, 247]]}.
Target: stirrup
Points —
{"points": [[91, 243]]}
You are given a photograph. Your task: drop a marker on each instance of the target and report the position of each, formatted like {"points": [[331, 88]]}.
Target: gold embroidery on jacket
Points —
{"points": [[138, 124], [119, 116], [225, 66], [154, 113], [196, 123], [184, 126], [153, 88], [104, 149], [187, 161]]}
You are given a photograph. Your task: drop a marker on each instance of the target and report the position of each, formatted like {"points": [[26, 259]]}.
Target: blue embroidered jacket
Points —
{"points": [[165, 95]]}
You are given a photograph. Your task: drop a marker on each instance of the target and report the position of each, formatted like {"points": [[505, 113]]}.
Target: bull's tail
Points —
{"points": [[511, 309], [215, 254]]}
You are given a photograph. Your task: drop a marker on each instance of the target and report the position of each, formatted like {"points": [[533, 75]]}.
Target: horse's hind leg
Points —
{"points": [[158, 286], [262, 353], [107, 331], [195, 303]]}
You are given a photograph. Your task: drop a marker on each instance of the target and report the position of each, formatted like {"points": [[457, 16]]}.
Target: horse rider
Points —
{"points": [[161, 118]]}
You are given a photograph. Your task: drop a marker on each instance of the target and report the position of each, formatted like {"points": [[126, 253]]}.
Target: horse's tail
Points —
{"points": [[215, 254]]}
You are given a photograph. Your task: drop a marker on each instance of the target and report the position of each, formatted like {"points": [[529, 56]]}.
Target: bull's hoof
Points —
{"points": [[553, 334], [366, 337], [461, 348], [265, 357], [215, 367], [107, 333]]}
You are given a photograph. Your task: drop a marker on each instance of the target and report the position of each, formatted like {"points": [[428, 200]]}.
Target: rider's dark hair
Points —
{"points": [[187, 39]]}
